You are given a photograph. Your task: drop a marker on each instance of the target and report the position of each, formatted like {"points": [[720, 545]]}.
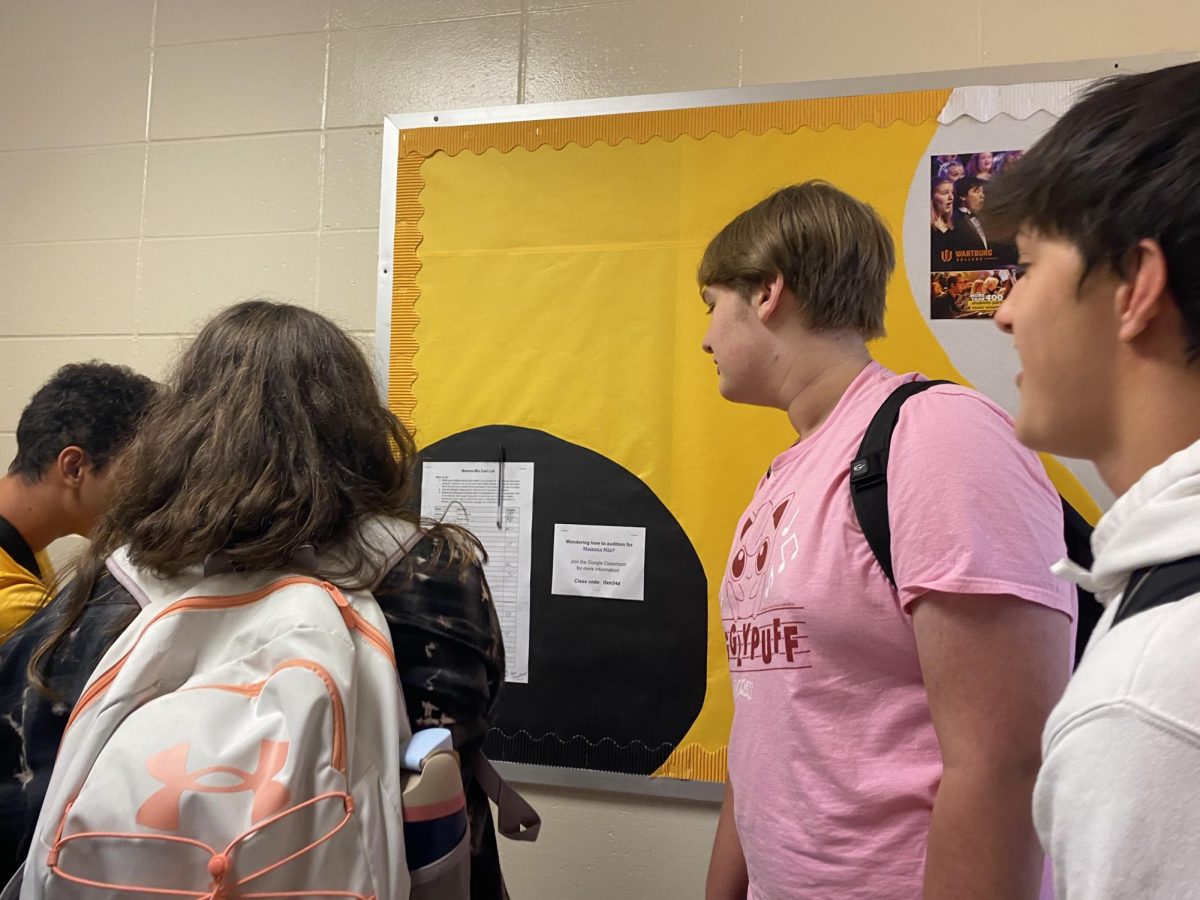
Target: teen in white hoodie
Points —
{"points": [[1106, 320]]}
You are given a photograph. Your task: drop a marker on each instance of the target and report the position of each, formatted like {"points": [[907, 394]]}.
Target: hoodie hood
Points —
{"points": [[1155, 521]]}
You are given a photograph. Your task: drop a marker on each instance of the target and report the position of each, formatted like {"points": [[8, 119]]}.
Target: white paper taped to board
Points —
{"points": [[600, 561], [499, 511]]}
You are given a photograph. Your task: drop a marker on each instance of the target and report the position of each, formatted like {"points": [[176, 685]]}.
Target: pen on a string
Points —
{"points": [[500, 490]]}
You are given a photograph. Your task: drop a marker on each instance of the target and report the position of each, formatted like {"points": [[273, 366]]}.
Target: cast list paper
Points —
{"points": [[468, 494]]}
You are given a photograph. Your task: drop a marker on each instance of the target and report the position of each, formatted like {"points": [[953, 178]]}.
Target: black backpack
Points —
{"points": [[868, 490]]}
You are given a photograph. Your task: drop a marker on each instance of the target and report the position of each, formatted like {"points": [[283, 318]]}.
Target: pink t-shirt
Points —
{"points": [[833, 758]]}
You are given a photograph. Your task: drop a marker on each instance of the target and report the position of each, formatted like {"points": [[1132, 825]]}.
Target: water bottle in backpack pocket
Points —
{"points": [[437, 837]]}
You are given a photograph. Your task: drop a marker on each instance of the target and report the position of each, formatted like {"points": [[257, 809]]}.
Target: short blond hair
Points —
{"points": [[834, 252]]}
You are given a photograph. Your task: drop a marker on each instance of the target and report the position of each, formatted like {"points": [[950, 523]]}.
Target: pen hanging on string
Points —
{"points": [[500, 490]]}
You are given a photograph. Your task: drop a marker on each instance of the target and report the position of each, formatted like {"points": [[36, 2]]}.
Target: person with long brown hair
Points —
{"points": [[268, 449], [941, 221]]}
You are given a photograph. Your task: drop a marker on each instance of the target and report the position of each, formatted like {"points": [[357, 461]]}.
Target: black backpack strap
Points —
{"points": [[868, 474], [1078, 535], [1159, 585]]}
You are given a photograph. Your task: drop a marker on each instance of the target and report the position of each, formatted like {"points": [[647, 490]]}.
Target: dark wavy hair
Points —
{"points": [[270, 438], [1122, 165]]}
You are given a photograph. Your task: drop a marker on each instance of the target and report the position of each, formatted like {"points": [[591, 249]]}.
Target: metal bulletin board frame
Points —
{"points": [[394, 125]]}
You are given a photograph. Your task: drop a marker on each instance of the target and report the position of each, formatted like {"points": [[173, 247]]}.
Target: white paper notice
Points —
{"points": [[468, 494], [600, 561]]}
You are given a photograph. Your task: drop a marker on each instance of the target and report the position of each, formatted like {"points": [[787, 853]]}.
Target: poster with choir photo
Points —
{"points": [[969, 272]]}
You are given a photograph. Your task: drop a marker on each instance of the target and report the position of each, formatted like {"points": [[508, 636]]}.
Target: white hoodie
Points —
{"points": [[1117, 802]]}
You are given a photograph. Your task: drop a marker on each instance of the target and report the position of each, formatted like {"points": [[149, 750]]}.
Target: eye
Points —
{"points": [[738, 565], [760, 561]]}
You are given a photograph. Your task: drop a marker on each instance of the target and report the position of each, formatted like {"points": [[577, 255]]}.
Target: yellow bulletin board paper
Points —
{"points": [[545, 278]]}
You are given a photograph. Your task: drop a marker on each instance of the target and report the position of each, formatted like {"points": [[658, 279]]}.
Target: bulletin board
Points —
{"points": [[537, 299]]}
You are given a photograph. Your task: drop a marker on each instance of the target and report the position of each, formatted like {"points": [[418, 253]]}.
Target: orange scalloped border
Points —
{"points": [[788, 116], [402, 372]]}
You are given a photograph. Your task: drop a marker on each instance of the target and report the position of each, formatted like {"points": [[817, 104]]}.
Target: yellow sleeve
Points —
{"points": [[21, 595]]}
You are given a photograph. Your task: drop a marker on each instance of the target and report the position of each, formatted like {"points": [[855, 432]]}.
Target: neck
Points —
{"points": [[811, 395], [1151, 426], [31, 509]]}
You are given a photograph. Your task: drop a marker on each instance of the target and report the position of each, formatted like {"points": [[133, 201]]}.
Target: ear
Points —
{"points": [[749, 521], [769, 298], [71, 463], [1143, 292], [782, 508]]}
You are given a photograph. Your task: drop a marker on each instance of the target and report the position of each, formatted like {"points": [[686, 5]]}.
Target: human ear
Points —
{"points": [[769, 298], [1143, 290], [71, 463]]}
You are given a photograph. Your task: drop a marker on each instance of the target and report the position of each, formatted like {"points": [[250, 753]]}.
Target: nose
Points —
{"points": [[1003, 315]]}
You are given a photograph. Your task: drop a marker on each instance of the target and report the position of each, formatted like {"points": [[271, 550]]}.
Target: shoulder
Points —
{"points": [[21, 596], [939, 414], [109, 609], [957, 403], [430, 581], [1151, 662], [972, 511], [960, 424], [13, 574], [440, 614], [964, 438]]}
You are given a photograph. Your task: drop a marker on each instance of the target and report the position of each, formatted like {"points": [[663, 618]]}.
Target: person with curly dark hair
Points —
{"points": [[58, 483]]}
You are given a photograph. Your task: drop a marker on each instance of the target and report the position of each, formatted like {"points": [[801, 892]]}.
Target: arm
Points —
{"points": [[994, 666], [28, 749], [20, 598], [448, 645], [450, 654], [1117, 802], [727, 879]]}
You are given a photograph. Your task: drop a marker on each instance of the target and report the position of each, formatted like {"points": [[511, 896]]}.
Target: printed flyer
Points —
{"points": [[969, 273]]}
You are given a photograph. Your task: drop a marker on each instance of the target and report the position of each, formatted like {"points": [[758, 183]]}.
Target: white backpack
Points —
{"points": [[242, 738]]}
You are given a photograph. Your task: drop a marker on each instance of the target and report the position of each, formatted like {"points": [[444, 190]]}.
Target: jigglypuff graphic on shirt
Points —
{"points": [[762, 631], [744, 581]]}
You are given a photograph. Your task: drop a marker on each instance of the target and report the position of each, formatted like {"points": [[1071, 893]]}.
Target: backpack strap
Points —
{"points": [[12, 890], [868, 474], [1078, 536], [515, 818], [1158, 585]]}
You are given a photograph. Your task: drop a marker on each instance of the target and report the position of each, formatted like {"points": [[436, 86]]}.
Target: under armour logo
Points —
{"points": [[161, 811]]}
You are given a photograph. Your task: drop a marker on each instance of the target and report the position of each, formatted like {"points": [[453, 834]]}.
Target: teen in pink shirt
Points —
{"points": [[885, 739]]}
